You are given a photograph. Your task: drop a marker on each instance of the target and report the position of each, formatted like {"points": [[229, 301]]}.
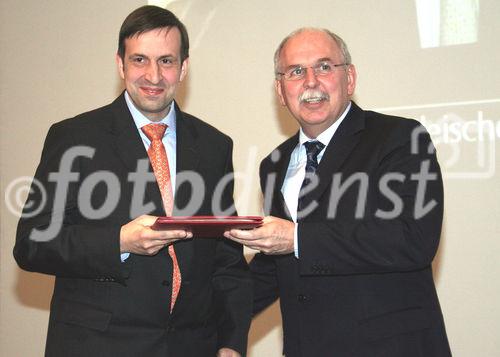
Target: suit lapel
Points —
{"points": [[130, 149], [187, 160], [343, 142], [188, 156]]}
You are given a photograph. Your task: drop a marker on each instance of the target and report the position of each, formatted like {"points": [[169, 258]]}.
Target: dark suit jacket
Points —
{"points": [[362, 285], [103, 307]]}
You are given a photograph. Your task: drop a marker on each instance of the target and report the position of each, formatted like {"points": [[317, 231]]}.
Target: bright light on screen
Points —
{"points": [[447, 22]]}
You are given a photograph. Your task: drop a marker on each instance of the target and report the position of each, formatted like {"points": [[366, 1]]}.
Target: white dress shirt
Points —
{"points": [[297, 169]]}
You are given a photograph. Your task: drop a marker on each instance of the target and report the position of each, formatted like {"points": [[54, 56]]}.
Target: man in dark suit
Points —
{"points": [[115, 273], [356, 204]]}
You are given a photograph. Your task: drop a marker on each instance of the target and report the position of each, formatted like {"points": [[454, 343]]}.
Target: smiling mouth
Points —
{"points": [[152, 91], [313, 97], [314, 100]]}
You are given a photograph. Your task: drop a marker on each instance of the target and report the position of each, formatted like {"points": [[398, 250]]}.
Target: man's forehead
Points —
{"points": [[157, 42], [309, 45], [165, 32]]}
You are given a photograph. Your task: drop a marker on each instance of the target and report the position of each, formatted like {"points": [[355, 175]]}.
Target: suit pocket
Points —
{"points": [[394, 323], [76, 313]]}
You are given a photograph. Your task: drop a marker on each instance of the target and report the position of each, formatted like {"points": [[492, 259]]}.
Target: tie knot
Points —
{"points": [[313, 148], [154, 131]]}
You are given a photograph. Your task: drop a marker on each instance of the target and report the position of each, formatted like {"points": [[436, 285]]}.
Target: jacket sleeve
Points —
{"points": [[262, 266], [51, 235], [232, 284], [266, 292]]}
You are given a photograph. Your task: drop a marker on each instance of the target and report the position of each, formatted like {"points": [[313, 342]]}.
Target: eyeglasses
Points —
{"points": [[323, 68]]}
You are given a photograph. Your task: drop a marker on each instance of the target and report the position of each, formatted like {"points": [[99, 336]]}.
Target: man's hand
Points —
{"points": [[227, 352], [138, 237], [275, 236]]}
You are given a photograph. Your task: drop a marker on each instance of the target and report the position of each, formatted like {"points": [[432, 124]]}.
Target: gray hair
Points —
{"points": [[338, 40]]}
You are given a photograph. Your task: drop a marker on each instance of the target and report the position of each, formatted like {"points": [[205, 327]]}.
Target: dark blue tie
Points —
{"points": [[313, 148]]}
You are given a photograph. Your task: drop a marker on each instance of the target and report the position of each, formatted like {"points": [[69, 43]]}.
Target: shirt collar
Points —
{"points": [[326, 135], [140, 119]]}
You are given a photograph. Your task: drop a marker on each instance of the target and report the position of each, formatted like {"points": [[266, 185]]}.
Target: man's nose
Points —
{"points": [[153, 73], [310, 79]]}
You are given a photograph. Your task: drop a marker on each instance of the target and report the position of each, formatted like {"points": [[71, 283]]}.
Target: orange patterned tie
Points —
{"points": [[159, 161]]}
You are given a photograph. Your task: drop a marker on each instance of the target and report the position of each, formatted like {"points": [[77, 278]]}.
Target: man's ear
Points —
{"points": [[184, 69], [351, 79], [119, 63], [279, 91]]}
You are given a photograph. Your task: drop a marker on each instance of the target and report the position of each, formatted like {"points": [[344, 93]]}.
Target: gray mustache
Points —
{"points": [[314, 94]]}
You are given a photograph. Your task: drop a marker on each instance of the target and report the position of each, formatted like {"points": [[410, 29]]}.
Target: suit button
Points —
{"points": [[301, 298], [165, 283]]}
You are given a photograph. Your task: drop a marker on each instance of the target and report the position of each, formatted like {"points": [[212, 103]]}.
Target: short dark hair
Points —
{"points": [[147, 18]]}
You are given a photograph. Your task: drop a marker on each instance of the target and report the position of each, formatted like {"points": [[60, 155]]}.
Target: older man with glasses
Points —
{"points": [[355, 203]]}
